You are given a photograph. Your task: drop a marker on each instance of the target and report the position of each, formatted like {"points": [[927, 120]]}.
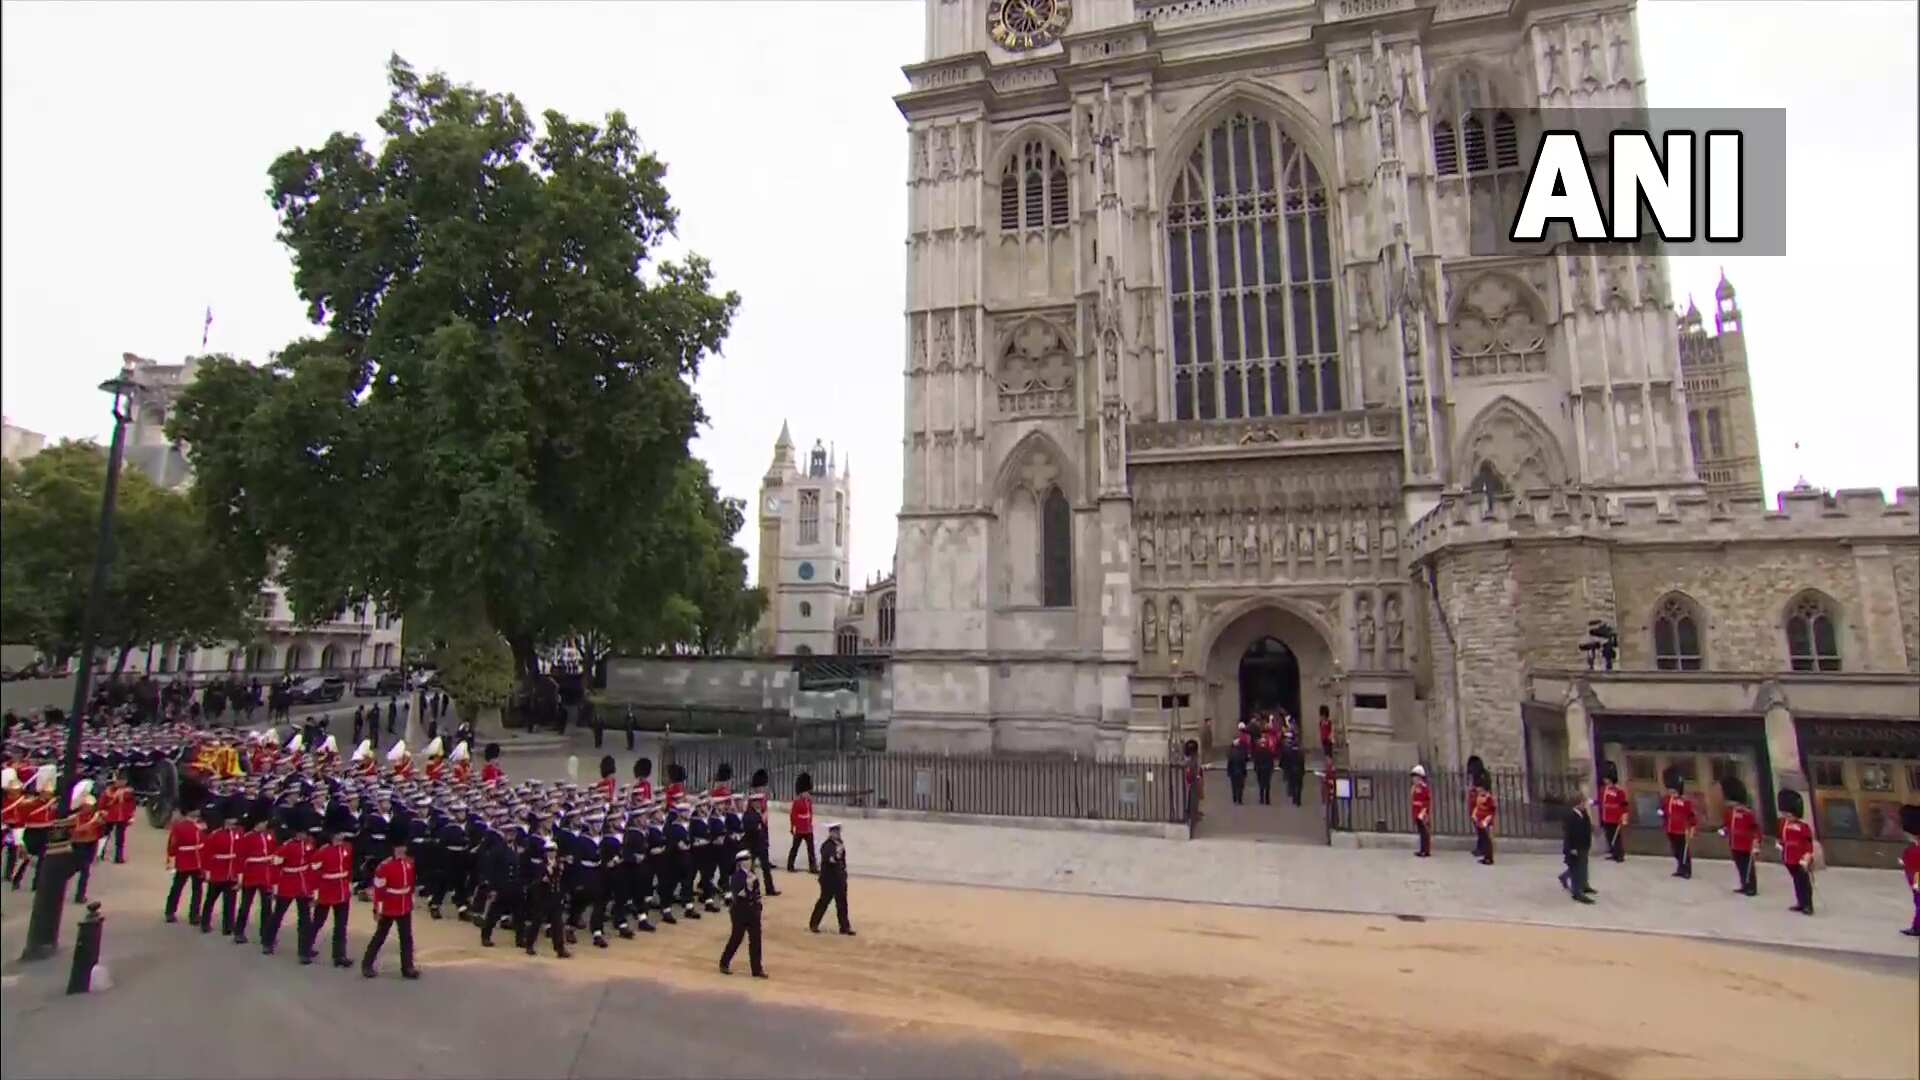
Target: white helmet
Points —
{"points": [[364, 751], [9, 780], [271, 735], [1419, 770], [82, 792], [297, 743], [399, 751], [461, 753], [331, 746], [43, 779], [436, 748]]}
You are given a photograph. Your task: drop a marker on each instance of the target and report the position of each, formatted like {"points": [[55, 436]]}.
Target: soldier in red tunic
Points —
{"points": [[492, 774], [1796, 850], [332, 868], [89, 824], [1742, 831], [800, 823], [184, 841], [1615, 812], [393, 884], [220, 855], [1485, 811], [641, 790], [255, 855], [118, 805], [1910, 861], [1677, 812], [292, 885], [608, 788], [462, 764], [436, 760], [1422, 799]]}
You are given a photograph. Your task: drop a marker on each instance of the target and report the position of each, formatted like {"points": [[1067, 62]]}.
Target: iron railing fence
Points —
{"points": [[1529, 807], [991, 785]]}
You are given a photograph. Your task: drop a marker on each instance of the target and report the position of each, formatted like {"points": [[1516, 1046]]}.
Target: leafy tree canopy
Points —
{"points": [[499, 407], [168, 581]]}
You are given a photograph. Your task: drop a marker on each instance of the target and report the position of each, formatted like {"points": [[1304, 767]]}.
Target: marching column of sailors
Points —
{"points": [[547, 860]]}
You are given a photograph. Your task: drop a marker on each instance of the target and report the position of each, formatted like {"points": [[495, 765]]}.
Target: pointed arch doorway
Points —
{"points": [[1269, 678]]}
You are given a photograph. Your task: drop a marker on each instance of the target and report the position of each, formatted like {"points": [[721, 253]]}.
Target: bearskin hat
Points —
{"points": [[676, 773], [642, 768], [492, 753], [803, 784], [1792, 803], [723, 774], [607, 766], [1910, 818], [1734, 789], [1610, 771], [759, 778]]}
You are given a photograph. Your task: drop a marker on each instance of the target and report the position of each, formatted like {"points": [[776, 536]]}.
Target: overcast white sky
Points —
{"points": [[134, 143]]}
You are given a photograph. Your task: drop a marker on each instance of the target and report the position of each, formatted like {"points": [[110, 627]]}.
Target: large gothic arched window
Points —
{"points": [[887, 616], [1476, 146], [1813, 638], [1056, 550], [1676, 635], [1250, 278]]}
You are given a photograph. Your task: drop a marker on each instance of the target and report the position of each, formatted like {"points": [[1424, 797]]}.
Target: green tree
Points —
{"points": [[501, 399], [168, 581]]}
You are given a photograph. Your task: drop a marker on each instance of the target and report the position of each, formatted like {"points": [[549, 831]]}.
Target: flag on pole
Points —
{"points": [[206, 328]]}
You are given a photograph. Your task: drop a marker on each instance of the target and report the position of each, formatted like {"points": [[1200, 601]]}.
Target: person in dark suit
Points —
{"points": [[745, 908], [833, 882], [1577, 842]]}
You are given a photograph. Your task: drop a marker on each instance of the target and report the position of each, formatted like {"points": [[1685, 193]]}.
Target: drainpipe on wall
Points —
{"points": [[1453, 669]]}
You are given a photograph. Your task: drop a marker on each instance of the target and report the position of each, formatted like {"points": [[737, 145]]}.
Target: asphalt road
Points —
{"points": [[184, 1004]]}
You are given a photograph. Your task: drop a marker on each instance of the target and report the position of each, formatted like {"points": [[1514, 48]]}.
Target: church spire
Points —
{"points": [[785, 441]]}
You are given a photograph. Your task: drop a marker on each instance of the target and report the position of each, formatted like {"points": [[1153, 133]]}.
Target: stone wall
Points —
{"points": [[1480, 596], [1906, 583], [1743, 593]]}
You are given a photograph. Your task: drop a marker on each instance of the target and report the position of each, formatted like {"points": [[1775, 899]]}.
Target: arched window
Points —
{"points": [[806, 610], [802, 650], [1813, 634], [1034, 191], [1446, 152], [1676, 635], [1056, 547], [1476, 144], [1250, 278], [329, 658], [846, 641], [886, 620]]}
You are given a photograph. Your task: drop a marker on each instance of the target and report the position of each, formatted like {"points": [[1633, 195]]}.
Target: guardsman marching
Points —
{"points": [[1742, 830], [13, 799], [800, 823], [609, 786], [332, 895], [220, 854], [255, 854], [1421, 798], [89, 825], [754, 820], [1616, 810], [118, 804], [400, 761], [436, 760], [1796, 850], [676, 793], [722, 776], [293, 882], [641, 790], [363, 763], [1677, 812], [393, 883], [746, 916], [185, 839], [833, 882], [491, 774], [36, 820], [462, 764]]}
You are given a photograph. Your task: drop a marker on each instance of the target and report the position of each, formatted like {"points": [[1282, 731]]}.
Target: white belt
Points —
{"points": [[332, 877]]}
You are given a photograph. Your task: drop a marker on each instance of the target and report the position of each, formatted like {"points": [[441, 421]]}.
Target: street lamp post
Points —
{"points": [[43, 930]]}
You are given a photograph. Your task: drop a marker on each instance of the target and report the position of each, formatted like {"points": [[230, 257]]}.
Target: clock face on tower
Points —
{"points": [[1027, 24], [773, 504]]}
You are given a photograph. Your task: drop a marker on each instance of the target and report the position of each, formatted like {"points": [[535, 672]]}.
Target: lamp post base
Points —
{"points": [[43, 930]]}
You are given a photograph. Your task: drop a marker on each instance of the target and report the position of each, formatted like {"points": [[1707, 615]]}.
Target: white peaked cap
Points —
{"points": [[9, 779], [298, 742], [331, 746], [271, 735], [436, 748], [43, 780], [399, 751], [1419, 770], [364, 750], [81, 790], [461, 753]]}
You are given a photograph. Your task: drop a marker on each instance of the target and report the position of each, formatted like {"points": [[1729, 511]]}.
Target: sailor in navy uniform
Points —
{"points": [[500, 864], [630, 878], [451, 861], [746, 916], [736, 841], [679, 888], [372, 846], [657, 871], [756, 842], [539, 871], [700, 845], [590, 892]]}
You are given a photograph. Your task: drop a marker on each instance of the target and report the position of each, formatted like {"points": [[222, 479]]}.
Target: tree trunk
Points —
{"points": [[525, 660], [120, 661]]}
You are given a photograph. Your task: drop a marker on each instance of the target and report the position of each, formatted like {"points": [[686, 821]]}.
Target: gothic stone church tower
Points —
{"points": [[1194, 333]]}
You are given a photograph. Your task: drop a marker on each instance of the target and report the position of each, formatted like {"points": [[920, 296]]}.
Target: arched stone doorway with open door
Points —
{"points": [[1262, 654]]}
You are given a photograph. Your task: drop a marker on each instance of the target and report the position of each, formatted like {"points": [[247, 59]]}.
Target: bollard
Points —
{"points": [[86, 950]]}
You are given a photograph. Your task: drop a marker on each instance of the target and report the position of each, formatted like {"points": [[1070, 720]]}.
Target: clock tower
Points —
{"points": [[805, 547]]}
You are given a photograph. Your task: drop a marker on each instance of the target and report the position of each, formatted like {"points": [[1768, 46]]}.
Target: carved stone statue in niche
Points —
{"points": [[1303, 541], [1250, 542], [1349, 94], [1113, 451], [1364, 627], [1277, 541], [1389, 539], [1330, 538], [1197, 540], [1389, 143], [1364, 310], [1176, 626], [966, 147], [1360, 538], [1223, 539], [1396, 628], [1149, 627], [1146, 543], [1170, 545]]}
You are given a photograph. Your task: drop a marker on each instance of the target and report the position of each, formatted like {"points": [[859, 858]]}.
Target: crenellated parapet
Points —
{"points": [[1853, 514]]}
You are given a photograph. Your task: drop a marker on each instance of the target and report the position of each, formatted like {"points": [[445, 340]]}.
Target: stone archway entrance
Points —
{"points": [[1269, 678]]}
